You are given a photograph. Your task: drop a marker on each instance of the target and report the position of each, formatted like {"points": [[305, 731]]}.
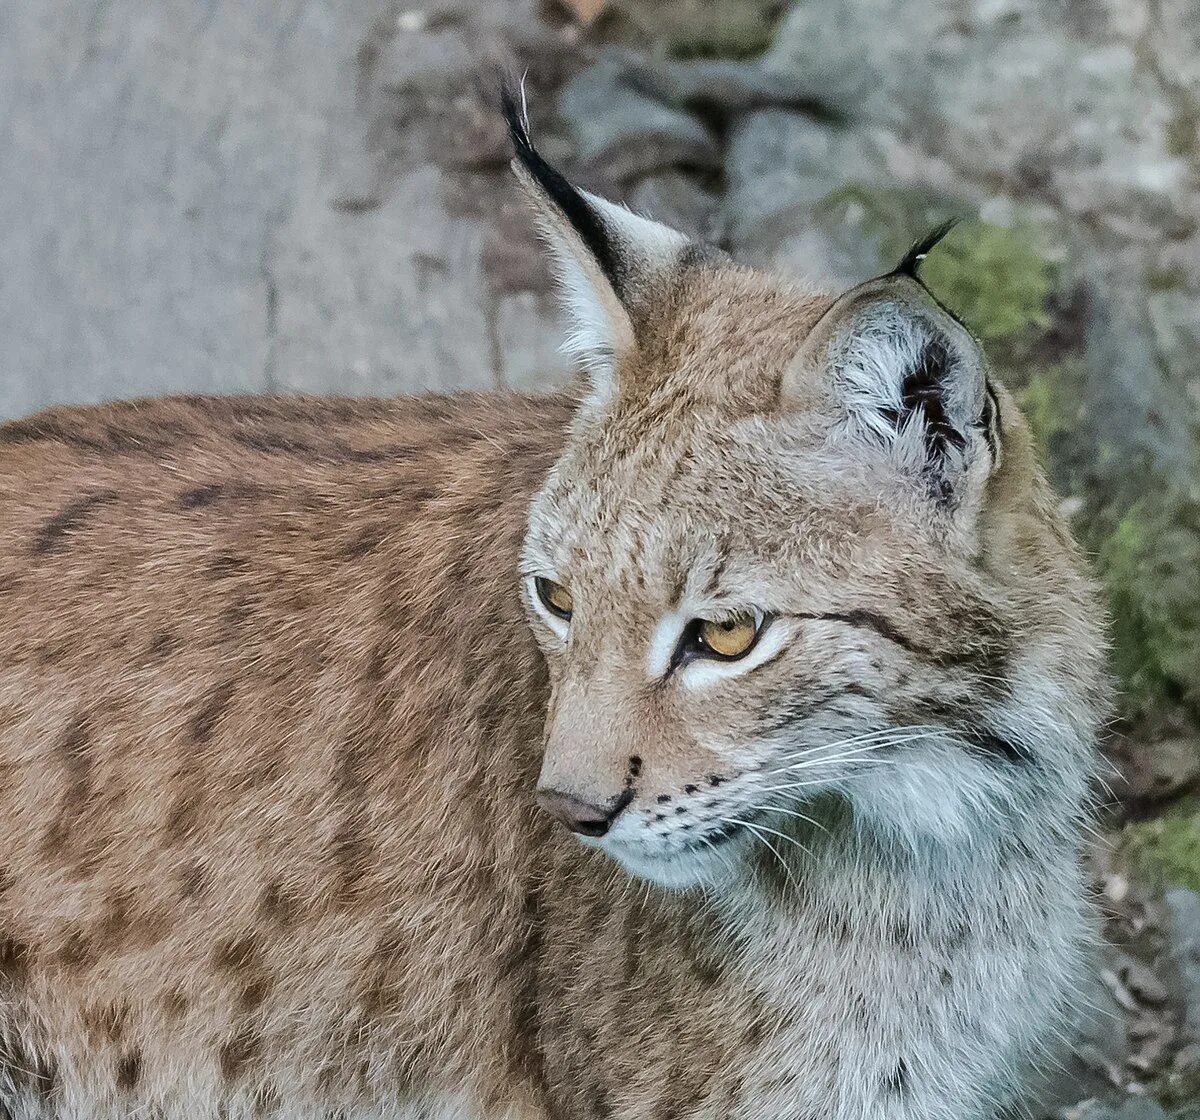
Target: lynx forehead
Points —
{"points": [[776, 614]]}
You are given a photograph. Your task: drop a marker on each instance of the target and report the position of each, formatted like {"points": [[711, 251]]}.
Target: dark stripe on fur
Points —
{"points": [[56, 531]]}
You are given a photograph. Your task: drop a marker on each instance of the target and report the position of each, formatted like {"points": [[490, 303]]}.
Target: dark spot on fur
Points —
{"points": [[203, 723], [175, 1003], [55, 531], [635, 766], [352, 854], [52, 653], [715, 779], [200, 496], [897, 1081], [129, 1070], [106, 1023], [164, 643], [226, 564], [663, 798], [599, 1106], [237, 954], [683, 1091], [193, 880], [76, 951], [236, 613], [278, 906], [14, 962], [521, 968], [55, 838], [363, 543], [254, 993], [690, 789], [182, 816], [680, 809], [75, 750], [236, 1054], [126, 925], [902, 934]]}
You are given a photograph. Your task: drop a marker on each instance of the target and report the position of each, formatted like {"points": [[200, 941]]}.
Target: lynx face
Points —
{"points": [[795, 546]]}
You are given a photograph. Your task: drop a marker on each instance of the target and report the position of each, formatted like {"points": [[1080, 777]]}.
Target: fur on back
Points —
{"points": [[277, 690]]}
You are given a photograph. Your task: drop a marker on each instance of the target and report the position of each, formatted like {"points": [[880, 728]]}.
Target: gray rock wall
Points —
{"points": [[232, 196]]}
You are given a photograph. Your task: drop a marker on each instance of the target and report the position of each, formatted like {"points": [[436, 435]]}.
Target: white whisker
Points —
{"points": [[792, 813]]}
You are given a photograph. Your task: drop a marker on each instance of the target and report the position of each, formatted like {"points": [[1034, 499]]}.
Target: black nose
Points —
{"points": [[582, 816]]}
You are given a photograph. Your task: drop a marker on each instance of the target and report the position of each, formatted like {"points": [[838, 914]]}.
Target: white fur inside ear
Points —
{"points": [[871, 361], [652, 244], [593, 339], [598, 326]]}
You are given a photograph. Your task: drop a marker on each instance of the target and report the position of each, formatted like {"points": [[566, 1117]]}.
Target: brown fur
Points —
{"points": [[270, 721]]}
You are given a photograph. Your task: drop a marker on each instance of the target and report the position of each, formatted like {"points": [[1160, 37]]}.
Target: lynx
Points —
{"points": [[710, 743]]}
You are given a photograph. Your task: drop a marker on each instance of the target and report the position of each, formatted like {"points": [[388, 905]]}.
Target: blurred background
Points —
{"points": [[240, 196]]}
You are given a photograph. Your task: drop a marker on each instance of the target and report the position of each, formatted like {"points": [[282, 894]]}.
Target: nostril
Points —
{"points": [[583, 817]]}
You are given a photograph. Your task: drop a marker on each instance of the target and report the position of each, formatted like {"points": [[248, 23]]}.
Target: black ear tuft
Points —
{"points": [[911, 263], [574, 206]]}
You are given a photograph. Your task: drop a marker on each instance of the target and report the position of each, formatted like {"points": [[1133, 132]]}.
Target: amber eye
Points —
{"points": [[732, 637], [555, 598]]}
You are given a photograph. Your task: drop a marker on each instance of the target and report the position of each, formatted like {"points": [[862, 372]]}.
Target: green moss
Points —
{"points": [[1051, 409], [1150, 565], [1166, 279], [1183, 132], [996, 279], [738, 29], [1165, 852]]}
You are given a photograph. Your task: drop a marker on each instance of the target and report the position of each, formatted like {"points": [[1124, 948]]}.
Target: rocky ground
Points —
{"points": [[232, 196]]}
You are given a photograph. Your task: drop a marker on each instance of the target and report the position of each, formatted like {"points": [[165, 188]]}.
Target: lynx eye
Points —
{"points": [[555, 598], [729, 638]]}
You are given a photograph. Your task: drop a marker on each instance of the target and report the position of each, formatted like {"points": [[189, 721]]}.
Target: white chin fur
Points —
{"points": [[678, 871]]}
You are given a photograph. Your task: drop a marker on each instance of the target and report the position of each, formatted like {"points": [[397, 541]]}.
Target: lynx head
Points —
{"points": [[795, 546]]}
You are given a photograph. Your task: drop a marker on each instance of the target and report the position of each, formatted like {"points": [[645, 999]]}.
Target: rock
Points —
{"points": [[1183, 950], [623, 134], [798, 197], [240, 197], [1125, 1107], [678, 200], [725, 88], [695, 28], [1154, 770], [1093, 1051]]}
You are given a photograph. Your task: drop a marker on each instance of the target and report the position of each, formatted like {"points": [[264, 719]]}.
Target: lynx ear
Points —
{"points": [[604, 256], [906, 377]]}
